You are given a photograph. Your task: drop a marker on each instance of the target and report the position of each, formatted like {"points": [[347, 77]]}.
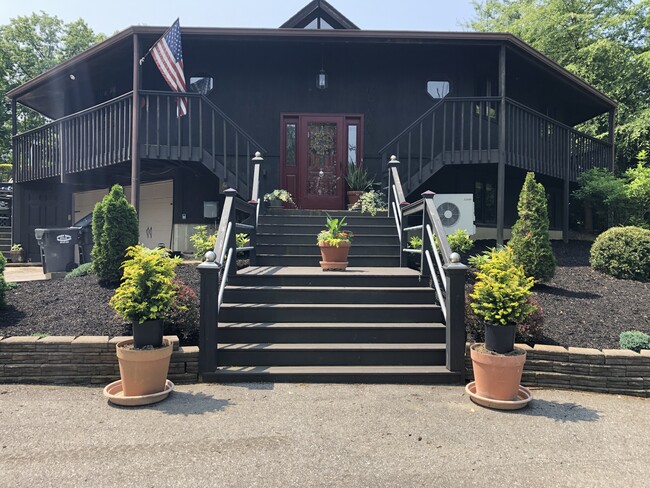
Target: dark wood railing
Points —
{"points": [[204, 134], [101, 136], [465, 130], [93, 138], [220, 264], [447, 275]]}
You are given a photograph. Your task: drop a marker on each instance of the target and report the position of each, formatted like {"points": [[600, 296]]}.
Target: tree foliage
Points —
{"points": [[115, 228], [530, 240], [604, 42], [30, 45]]}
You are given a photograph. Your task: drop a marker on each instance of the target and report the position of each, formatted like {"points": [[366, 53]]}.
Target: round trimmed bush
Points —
{"points": [[623, 252]]}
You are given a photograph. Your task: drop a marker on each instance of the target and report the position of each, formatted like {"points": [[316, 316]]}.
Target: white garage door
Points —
{"points": [[156, 210]]}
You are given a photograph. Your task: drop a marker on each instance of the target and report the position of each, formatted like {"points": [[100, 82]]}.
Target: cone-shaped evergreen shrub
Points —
{"points": [[530, 242], [115, 228]]}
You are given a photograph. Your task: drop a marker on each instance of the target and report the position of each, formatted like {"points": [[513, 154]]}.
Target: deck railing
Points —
{"points": [[93, 138], [204, 134], [465, 130], [447, 275], [101, 136]]}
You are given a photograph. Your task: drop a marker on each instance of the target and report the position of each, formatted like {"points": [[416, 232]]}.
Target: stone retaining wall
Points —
{"points": [[80, 360], [616, 371]]}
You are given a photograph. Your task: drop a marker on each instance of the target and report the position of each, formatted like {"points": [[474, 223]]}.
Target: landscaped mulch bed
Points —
{"points": [[581, 307]]}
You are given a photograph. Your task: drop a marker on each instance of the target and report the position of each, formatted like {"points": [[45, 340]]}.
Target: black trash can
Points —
{"points": [[57, 248], [85, 238]]}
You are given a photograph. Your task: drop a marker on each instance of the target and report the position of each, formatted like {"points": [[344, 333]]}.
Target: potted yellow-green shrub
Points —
{"points": [[500, 299], [334, 243], [146, 293]]}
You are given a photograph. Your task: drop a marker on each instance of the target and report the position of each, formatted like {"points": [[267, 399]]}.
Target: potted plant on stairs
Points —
{"points": [[144, 296], [17, 253], [500, 299], [334, 243], [358, 182]]}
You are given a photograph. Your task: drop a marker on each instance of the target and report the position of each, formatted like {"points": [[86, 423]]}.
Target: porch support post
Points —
{"points": [[16, 202], [208, 313], [455, 303], [565, 197], [135, 126], [610, 136], [501, 174]]}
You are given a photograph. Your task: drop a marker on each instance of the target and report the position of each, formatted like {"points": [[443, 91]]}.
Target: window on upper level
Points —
{"points": [[437, 89], [201, 84]]}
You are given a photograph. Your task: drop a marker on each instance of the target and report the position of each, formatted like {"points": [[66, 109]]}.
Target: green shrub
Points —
{"points": [[3, 284], [622, 252], [81, 270], [3, 263], [147, 290], [182, 318], [415, 242], [528, 331], [501, 292], [6, 172], [634, 340], [530, 241], [202, 241], [115, 229], [460, 242]]}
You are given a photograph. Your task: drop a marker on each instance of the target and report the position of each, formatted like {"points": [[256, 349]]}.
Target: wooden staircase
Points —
{"points": [[286, 320]]}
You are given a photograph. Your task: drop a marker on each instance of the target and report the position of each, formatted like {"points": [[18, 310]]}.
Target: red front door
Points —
{"points": [[316, 151]]}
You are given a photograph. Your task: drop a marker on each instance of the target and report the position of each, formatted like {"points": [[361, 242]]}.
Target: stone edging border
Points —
{"points": [[617, 371], [80, 360], [92, 360]]}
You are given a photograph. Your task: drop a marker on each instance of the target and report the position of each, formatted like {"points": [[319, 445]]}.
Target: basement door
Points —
{"points": [[314, 157]]}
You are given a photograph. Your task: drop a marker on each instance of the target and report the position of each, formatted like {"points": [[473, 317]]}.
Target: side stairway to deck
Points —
{"points": [[286, 320]]}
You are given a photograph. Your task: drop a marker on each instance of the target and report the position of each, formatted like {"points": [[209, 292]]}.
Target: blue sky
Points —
{"points": [[114, 15]]}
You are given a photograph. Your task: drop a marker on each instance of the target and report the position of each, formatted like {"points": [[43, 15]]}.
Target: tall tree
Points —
{"points": [[30, 45], [605, 42]]}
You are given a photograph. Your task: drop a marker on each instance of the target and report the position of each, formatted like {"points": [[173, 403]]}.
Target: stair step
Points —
{"points": [[313, 260], [321, 213], [326, 294], [288, 228], [350, 219], [297, 239], [430, 375], [323, 354], [311, 249], [330, 332], [329, 312], [314, 276]]}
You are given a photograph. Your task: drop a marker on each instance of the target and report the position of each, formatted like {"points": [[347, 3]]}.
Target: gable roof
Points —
{"points": [[318, 9]]}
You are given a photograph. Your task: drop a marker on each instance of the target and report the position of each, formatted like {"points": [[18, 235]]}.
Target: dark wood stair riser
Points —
{"points": [[356, 250], [287, 228], [333, 357], [338, 279], [297, 260], [443, 378], [344, 334], [332, 313], [310, 239], [318, 295], [351, 220]]}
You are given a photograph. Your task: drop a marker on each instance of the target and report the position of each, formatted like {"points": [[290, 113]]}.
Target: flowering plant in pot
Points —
{"points": [[17, 253], [358, 182], [145, 295], [334, 243], [500, 299], [278, 197]]}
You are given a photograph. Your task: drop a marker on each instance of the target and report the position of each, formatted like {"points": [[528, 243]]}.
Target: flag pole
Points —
{"points": [[154, 44]]}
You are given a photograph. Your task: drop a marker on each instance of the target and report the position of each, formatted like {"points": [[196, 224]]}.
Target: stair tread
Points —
{"points": [[379, 271], [338, 346], [333, 325], [329, 306], [243, 370]]}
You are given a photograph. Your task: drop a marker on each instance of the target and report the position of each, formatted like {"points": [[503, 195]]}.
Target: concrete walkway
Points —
{"points": [[24, 273], [319, 435]]}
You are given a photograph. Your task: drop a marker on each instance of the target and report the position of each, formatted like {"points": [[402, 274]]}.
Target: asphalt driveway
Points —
{"points": [[319, 435]]}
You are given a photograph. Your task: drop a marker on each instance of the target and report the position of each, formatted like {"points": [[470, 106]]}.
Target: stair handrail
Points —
{"points": [[447, 274]]}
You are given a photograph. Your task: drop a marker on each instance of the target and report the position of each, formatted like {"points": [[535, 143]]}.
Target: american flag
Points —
{"points": [[168, 55]]}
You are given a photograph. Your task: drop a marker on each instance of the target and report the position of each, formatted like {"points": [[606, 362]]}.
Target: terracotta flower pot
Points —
{"points": [[353, 196], [497, 376], [143, 372], [334, 258]]}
